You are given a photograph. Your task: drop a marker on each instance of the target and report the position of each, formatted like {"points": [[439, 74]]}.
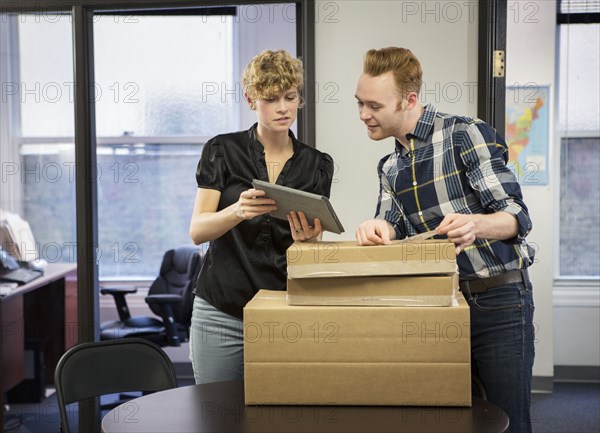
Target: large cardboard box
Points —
{"points": [[341, 355], [420, 273]]}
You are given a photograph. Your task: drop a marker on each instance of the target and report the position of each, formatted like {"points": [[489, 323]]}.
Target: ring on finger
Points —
{"points": [[298, 229]]}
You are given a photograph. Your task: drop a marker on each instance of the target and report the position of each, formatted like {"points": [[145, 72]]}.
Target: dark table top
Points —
{"points": [[219, 407]]}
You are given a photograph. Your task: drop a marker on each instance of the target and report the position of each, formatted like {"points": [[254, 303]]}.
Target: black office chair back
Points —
{"points": [[107, 367], [194, 268], [173, 278]]}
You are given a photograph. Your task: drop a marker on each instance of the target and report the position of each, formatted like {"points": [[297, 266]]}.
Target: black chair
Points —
{"points": [[106, 367], [170, 297]]}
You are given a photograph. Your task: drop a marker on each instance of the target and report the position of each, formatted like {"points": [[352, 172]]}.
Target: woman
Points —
{"points": [[247, 246]]}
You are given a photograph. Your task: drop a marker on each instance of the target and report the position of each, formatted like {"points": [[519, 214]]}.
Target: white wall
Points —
{"points": [[530, 58]]}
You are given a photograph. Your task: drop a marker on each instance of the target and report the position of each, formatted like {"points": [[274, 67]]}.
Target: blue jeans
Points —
{"points": [[502, 349], [216, 344]]}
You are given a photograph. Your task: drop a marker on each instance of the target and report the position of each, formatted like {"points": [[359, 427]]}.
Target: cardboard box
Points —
{"points": [[403, 291], [420, 273], [348, 259], [342, 355]]}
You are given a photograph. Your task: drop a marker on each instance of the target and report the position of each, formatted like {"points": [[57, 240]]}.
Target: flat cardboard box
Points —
{"points": [[348, 259], [402, 291], [332, 355]]}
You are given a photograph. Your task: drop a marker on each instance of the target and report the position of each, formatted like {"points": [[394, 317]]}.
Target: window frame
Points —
{"points": [[586, 284]]}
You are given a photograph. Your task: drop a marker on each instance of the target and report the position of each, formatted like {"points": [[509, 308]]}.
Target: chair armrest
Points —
{"points": [[116, 290], [119, 294], [164, 299], [165, 306]]}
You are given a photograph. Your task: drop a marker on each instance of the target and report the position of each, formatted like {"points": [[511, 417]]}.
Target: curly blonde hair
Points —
{"points": [[271, 73]]}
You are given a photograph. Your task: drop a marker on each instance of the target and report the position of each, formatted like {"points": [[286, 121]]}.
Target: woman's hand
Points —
{"points": [[250, 204], [302, 230]]}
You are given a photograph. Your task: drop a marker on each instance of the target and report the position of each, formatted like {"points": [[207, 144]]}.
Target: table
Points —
{"points": [[219, 407], [44, 310]]}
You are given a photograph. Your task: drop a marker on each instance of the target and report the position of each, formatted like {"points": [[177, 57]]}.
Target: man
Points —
{"points": [[448, 173]]}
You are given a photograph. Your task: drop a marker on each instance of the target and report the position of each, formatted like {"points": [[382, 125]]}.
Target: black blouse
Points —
{"points": [[251, 256]]}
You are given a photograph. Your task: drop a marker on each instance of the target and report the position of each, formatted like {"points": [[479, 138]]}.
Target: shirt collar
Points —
{"points": [[258, 147], [422, 129], [425, 123]]}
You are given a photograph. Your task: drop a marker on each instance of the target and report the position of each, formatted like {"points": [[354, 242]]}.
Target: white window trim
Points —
{"points": [[570, 292], [10, 118], [129, 139]]}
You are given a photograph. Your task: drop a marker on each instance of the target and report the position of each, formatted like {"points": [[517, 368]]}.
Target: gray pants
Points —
{"points": [[216, 344]]}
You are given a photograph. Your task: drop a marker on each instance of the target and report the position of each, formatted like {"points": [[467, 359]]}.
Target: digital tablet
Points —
{"points": [[290, 199]]}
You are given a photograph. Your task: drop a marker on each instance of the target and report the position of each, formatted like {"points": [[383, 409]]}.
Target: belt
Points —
{"points": [[481, 285]]}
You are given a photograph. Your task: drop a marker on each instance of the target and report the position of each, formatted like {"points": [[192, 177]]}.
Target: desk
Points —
{"points": [[44, 309], [219, 407]]}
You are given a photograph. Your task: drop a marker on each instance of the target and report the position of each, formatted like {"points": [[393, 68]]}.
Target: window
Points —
{"points": [[159, 96], [579, 135], [38, 150], [153, 114]]}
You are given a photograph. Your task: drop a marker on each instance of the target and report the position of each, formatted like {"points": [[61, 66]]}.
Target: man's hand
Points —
{"points": [[460, 229], [375, 232], [463, 229]]}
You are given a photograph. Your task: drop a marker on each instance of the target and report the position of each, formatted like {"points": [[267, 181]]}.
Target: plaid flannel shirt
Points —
{"points": [[455, 165]]}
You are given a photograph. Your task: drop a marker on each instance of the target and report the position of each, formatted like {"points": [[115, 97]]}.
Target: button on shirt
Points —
{"points": [[455, 165], [251, 256]]}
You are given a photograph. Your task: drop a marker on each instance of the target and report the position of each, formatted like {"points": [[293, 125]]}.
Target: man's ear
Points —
{"points": [[412, 99]]}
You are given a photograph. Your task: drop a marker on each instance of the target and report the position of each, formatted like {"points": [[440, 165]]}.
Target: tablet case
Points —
{"points": [[290, 199]]}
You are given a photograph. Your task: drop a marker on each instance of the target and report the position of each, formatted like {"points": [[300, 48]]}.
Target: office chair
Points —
{"points": [[105, 367], [170, 297]]}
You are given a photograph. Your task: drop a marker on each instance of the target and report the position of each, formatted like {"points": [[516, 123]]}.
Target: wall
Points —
{"points": [[534, 62]]}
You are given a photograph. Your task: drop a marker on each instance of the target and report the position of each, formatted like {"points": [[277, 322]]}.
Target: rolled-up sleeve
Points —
{"points": [[388, 208], [485, 155]]}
